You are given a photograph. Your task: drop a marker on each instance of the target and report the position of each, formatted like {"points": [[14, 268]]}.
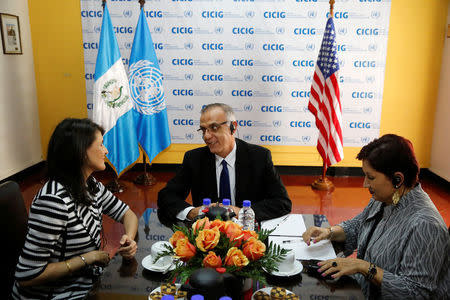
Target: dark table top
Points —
{"points": [[129, 280]]}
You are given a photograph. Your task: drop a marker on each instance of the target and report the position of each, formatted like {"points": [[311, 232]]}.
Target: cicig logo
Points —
{"points": [[339, 15], [182, 92], [212, 46], [182, 30], [245, 123], [91, 13], [243, 30], [305, 31], [363, 95], [300, 124], [236, 62], [214, 14], [158, 46], [90, 46], [183, 122], [270, 138], [272, 108], [360, 125], [303, 63], [272, 78], [212, 77], [367, 31], [242, 93], [89, 76], [273, 47], [300, 94], [274, 14], [182, 62], [364, 64], [154, 14]]}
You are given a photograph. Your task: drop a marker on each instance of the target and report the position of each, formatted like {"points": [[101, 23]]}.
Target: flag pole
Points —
{"points": [[145, 178], [323, 183]]}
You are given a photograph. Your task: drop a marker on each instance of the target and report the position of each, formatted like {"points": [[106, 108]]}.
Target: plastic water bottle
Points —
{"points": [[247, 216], [205, 206], [197, 297], [227, 205]]}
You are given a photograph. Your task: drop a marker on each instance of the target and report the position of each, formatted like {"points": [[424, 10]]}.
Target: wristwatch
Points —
{"points": [[371, 272]]}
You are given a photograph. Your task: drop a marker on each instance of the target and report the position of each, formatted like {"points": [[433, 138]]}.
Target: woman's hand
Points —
{"points": [[315, 233], [128, 247], [342, 266], [96, 257]]}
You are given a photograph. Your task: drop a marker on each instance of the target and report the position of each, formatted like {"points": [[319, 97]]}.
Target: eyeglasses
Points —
{"points": [[213, 128]]}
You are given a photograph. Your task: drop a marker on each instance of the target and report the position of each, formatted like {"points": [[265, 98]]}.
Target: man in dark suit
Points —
{"points": [[226, 167]]}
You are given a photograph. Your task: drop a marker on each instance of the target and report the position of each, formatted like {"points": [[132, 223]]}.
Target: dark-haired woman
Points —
{"points": [[402, 241], [61, 258]]}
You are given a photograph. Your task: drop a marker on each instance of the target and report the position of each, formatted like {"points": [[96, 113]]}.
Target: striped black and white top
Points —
{"points": [[53, 215]]}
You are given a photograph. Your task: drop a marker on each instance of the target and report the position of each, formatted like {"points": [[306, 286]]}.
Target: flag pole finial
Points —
{"points": [[141, 2], [103, 4], [331, 7]]}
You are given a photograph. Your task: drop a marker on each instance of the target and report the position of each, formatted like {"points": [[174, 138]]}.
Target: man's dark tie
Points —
{"points": [[224, 187]]}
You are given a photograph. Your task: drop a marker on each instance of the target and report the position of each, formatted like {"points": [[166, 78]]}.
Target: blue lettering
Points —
{"points": [[303, 63], [300, 124], [273, 47], [212, 46], [367, 31], [271, 108], [154, 14], [300, 94], [183, 122], [270, 138], [212, 14], [274, 14], [360, 125], [242, 93], [242, 62], [243, 30], [91, 14], [212, 77], [123, 29], [364, 64], [272, 78], [182, 92], [363, 95], [182, 30], [182, 62], [304, 31], [90, 45], [247, 123]]}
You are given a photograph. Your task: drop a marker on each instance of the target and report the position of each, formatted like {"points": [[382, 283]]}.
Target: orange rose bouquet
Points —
{"points": [[225, 247]]}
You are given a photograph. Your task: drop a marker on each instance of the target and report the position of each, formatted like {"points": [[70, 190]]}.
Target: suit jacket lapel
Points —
{"points": [[209, 178], [241, 171]]}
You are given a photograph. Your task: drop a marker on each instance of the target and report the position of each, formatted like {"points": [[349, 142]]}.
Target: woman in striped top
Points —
{"points": [[61, 257]]}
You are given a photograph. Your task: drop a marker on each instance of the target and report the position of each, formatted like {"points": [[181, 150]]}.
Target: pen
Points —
{"points": [[293, 241]]}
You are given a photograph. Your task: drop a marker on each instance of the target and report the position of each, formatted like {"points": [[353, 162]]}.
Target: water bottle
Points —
{"points": [[247, 216], [197, 297], [205, 206], [226, 204]]}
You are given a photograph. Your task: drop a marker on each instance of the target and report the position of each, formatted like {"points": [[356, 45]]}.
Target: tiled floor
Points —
{"points": [[347, 200]]}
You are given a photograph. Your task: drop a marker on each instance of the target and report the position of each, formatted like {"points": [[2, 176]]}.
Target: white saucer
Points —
{"points": [[267, 291], [148, 264], [296, 269], [158, 289]]}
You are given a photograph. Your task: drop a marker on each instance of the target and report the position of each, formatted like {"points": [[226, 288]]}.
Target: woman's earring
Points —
{"points": [[396, 197]]}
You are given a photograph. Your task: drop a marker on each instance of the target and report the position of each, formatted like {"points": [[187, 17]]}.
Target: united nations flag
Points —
{"points": [[147, 93]]}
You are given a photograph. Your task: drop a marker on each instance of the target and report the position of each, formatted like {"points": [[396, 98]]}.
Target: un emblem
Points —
{"points": [[370, 79], [278, 62], [278, 93], [160, 61], [342, 31], [249, 46], [279, 30], [219, 30], [218, 61], [247, 137], [305, 109], [312, 14], [158, 29], [189, 136], [127, 13], [189, 76], [276, 123], [375, 14], [189, 107], [146, 87], [218, 92], [128, 45], [248, 107], [310, 47], [367, 110], [308, 78], [188, 46], [188, 13], [306, 138], [250, 14], [365, 139], [97, 29], [248, 77], [372, 47]]}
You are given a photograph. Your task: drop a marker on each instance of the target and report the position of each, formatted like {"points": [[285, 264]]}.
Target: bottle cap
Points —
{"points": [[247, 203], [167, 297], [225, 298], [226, 201], [206, 201], [197, 297]]}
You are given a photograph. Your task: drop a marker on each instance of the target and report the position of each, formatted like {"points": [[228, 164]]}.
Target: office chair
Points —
{"points": [[13, 226]]}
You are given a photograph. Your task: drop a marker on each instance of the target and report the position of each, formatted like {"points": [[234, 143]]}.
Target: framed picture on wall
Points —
{"points": [[10, 28]]}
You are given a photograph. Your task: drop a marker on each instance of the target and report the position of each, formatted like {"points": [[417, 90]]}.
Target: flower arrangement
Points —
{"points": [[224, 246]]}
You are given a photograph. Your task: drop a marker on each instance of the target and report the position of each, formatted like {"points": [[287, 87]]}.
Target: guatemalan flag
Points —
{"points": [[112, 103], [149, 110]]}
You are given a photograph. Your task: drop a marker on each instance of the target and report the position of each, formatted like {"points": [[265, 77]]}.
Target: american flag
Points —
{"points": [[325, 102]]}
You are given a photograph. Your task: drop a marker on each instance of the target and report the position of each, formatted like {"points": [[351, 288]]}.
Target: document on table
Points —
{"points": [[287, 234], [320, 251], [288, 225]]}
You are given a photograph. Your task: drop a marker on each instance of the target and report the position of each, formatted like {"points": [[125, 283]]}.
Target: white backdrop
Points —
{"points": [[257, 56]]}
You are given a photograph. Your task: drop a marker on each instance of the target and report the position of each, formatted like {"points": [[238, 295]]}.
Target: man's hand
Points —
{"points": [[236, 210], [193, 213]]}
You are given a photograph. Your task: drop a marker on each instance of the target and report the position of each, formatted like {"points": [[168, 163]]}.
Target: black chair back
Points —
{"points": [[13, 224]]}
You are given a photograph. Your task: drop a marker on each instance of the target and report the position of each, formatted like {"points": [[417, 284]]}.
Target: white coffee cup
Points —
{"points": [[158, 248], [287, 264]]}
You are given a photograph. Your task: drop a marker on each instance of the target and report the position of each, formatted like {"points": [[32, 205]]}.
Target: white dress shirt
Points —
{"points": [[231, 160]]}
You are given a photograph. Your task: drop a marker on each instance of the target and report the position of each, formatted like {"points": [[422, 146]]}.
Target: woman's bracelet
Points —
{"points": [[331, 232], [68, 266], [84, 260]]}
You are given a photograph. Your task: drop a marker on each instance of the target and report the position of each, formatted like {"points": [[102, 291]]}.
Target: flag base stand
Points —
{"points": [[323, 184], [145, 179], [114, 186]]}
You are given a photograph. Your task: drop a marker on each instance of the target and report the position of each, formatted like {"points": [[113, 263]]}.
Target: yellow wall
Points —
{"points": [[415, 43]]}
